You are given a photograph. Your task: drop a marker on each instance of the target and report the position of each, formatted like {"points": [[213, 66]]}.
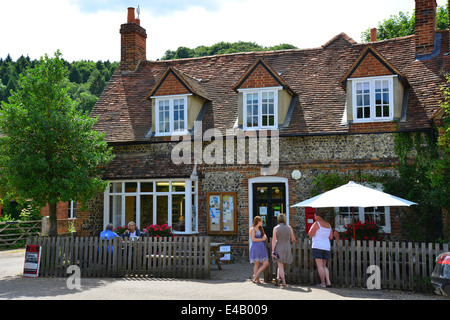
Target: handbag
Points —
{"points": [[275, 255]]}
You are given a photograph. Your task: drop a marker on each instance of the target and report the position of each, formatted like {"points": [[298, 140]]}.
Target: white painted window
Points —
{"points": [[379, 215], [147, 202], [72, 209], [260, 108], [171, 115], [373, 99]]}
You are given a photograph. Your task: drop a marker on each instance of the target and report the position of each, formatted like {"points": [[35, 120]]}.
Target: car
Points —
{"points": [[440, 278]]}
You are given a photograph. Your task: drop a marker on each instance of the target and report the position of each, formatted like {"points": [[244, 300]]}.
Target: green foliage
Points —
{"points": [[417, 152], [87, 79], [330, 180], [403, 25], [221, 48], [48, 150]]}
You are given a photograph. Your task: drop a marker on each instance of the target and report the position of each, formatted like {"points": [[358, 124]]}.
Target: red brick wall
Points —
{"points": [[370, 67], [259, 78], [62, 214], [425, 25], [171, 86], [133, 46], [373, 127]]}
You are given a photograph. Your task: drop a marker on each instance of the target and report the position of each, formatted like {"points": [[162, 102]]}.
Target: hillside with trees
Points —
{"points": [[221, 48], [87, 78]]}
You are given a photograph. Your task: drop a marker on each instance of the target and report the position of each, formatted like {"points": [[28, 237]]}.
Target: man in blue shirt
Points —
{"points": [[108, 232]]}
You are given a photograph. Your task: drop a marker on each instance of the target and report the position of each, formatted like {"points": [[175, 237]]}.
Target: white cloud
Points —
{"points": [[34, 28]]}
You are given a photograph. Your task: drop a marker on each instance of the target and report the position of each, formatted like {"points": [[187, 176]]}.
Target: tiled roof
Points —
{"points": [[315, 75]]}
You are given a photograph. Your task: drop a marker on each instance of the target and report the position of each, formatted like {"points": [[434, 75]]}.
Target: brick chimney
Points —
{"points": [[373, 34], [425, 26], [133, 43]]}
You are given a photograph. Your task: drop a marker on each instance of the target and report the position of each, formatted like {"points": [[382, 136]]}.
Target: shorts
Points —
{"points": [[320, 254]]}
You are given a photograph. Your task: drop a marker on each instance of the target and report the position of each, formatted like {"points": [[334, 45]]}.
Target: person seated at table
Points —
{"points": [[108, 232], [132, 231]]}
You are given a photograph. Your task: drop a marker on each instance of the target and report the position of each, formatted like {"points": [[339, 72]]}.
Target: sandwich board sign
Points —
{"points": [[32, 261]]}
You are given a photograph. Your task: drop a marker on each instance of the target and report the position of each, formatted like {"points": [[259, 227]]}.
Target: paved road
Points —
{"points": [[230, 284]]}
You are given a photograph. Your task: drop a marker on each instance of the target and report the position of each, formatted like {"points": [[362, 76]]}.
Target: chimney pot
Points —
{"points": [[373, 34], [133, 43], [131, 17]]}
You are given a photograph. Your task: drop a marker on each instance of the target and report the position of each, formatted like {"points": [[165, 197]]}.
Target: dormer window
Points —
{"points": [[260, 107], [171, 115], [373, 99]]}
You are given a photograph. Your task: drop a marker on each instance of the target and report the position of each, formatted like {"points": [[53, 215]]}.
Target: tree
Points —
{"points": [[417, 153], [221, 48], [403, 25], [48, 150]]}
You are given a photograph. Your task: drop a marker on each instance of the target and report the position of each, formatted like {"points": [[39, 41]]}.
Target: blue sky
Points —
{"points": [[89, 29], [158, 7]]}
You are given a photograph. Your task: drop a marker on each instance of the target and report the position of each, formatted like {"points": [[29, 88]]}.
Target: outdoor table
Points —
{"points": [[216, 254]]}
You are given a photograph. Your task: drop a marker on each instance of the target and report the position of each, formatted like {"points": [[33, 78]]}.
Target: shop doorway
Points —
{"points": [[269, 200]]}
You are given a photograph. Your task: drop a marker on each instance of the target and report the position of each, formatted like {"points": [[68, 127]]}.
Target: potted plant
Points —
{"points": [[159, 231], [367, 231]]}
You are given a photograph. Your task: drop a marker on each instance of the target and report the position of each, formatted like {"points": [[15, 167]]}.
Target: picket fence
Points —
{"points": [[180, 257], [402, 265]]}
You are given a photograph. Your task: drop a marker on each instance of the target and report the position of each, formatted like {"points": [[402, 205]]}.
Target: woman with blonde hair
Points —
{"points": [[281, 247], [321, 234], [258, 251]]}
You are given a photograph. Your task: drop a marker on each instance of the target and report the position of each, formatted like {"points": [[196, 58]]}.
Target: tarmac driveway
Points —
{"points": [[231, 283]]}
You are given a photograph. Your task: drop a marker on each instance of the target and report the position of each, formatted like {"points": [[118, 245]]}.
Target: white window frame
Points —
{"points": [[360, 216], [171, 100], [372, 84], [260, 92], [72, 212], [190, 210]]}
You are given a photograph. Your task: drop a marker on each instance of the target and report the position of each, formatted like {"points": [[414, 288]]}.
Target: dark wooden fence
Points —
{"points": [[181, 257], [402, 265]]}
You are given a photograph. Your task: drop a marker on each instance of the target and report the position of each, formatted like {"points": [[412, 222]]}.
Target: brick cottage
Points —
{"points": [[205, 144]]}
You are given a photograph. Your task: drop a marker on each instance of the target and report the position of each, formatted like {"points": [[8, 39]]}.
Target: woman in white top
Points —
{"points": [[321, 235]]}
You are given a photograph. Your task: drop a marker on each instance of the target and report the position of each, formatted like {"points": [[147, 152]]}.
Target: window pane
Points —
{"points": [[115, 210], [386, 98], [194, 212], [366, 100], [130, 209], [367, 112], [162, 210], [146, 211], [115, 187], [162, 186], [359, 100], [378, 98], [359, 88], [146, 186], [178, 212], [377, 86], [130, 186], [386, 111], [359, 114], [366, 87], [178, 186], [262, 193], [378, 112]]}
